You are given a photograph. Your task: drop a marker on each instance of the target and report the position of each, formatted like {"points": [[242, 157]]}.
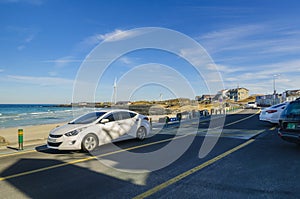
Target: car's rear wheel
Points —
{"points": [[89, 142], [141, 133]]}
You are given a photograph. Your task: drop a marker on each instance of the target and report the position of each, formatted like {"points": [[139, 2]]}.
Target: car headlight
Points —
{"points": [[75, 132]]}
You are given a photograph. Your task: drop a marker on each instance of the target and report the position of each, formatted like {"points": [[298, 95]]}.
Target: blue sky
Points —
{"points": [[44, 42]]}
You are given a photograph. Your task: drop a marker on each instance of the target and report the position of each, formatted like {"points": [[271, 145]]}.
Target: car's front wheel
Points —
{"points": [[89, 142], [141, 133]]}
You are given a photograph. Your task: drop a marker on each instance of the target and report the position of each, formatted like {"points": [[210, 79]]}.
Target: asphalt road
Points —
{"points": [[248, 161]]}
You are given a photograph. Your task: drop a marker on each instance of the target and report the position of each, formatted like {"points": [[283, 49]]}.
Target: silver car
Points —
{"points": [[272, 114], [97, 128]]}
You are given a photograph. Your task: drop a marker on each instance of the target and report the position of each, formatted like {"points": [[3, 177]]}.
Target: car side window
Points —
{"points": [[125, 115], [113, 117], [110, 118], [132, 115]]}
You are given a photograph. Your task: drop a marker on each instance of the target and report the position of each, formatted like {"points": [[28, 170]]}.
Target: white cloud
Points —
{"points": [[115, 35], [29, 38], [63, 60], [233, 33], [125, 60], [33, 2], [61, 63], [227, 69], [197, 57], [25, 35], [263, 38], [249, 55], [1, 70], [42, 81], [259, 78], [21, 47]]}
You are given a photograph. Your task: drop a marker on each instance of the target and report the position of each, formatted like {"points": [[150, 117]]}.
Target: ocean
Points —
{"points": [[17, 115]]}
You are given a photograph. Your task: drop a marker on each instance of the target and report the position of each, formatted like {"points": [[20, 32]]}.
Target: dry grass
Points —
{"points": [[249, 99]]}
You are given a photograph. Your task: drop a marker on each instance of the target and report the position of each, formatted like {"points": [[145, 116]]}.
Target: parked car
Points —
{"points": [[289, 123], [96, 128], [272, 114], [251, 105]]}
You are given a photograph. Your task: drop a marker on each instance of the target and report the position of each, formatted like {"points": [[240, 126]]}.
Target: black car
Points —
{"points": [[289, 122]]}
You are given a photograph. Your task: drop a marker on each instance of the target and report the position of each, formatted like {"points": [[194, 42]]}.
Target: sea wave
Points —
{"points": [[23, 115]]}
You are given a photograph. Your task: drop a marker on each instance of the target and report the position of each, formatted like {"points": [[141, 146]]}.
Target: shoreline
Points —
{"points": [[32, 125]]}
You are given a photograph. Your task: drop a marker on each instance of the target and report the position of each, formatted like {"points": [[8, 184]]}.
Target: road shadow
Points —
{"points": [[251, 123], [106, 148], [61, 181]]}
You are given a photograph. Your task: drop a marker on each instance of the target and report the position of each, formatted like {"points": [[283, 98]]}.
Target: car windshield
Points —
{"points": [[293, 109], [88, 118]]}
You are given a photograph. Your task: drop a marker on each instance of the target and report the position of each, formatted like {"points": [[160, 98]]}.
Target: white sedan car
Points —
{"points": [[272, 114], [252, 105], [97, 128]]}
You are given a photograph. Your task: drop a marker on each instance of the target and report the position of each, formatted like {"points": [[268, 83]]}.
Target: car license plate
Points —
{"points": [[291, 126], [51, 140]]}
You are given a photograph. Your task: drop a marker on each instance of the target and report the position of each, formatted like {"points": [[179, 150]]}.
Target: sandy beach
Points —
{"points": [[38, 133]]}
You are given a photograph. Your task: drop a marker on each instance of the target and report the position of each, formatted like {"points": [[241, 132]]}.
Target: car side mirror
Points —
{"points": [[104, 121]]}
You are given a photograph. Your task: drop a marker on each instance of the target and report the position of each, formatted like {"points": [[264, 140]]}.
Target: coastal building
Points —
{"points": [[268, 100], [205, 98], [290, 95], [222, 94], [238, 94]]}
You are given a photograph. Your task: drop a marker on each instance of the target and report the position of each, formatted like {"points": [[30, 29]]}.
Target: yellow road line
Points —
{"points": [[85, 159], [20, 153], [191, 171], [89, 158]]}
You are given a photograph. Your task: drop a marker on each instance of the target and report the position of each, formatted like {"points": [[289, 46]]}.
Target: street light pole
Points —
{"points": [[274, 85], [274, 77], [274, 88]]}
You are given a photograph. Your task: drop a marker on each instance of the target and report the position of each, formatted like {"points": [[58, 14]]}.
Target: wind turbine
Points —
{"points": [[115, 91]]}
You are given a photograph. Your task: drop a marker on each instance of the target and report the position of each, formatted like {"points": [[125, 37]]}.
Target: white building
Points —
{"points": [[290, 95]]}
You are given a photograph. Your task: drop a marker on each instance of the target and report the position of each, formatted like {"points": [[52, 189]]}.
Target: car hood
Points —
{"points": [[67, 128]]}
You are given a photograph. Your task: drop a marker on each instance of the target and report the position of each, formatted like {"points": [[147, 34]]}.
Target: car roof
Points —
{"points": [[113, 110], [279, 105], [296, 101]]}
